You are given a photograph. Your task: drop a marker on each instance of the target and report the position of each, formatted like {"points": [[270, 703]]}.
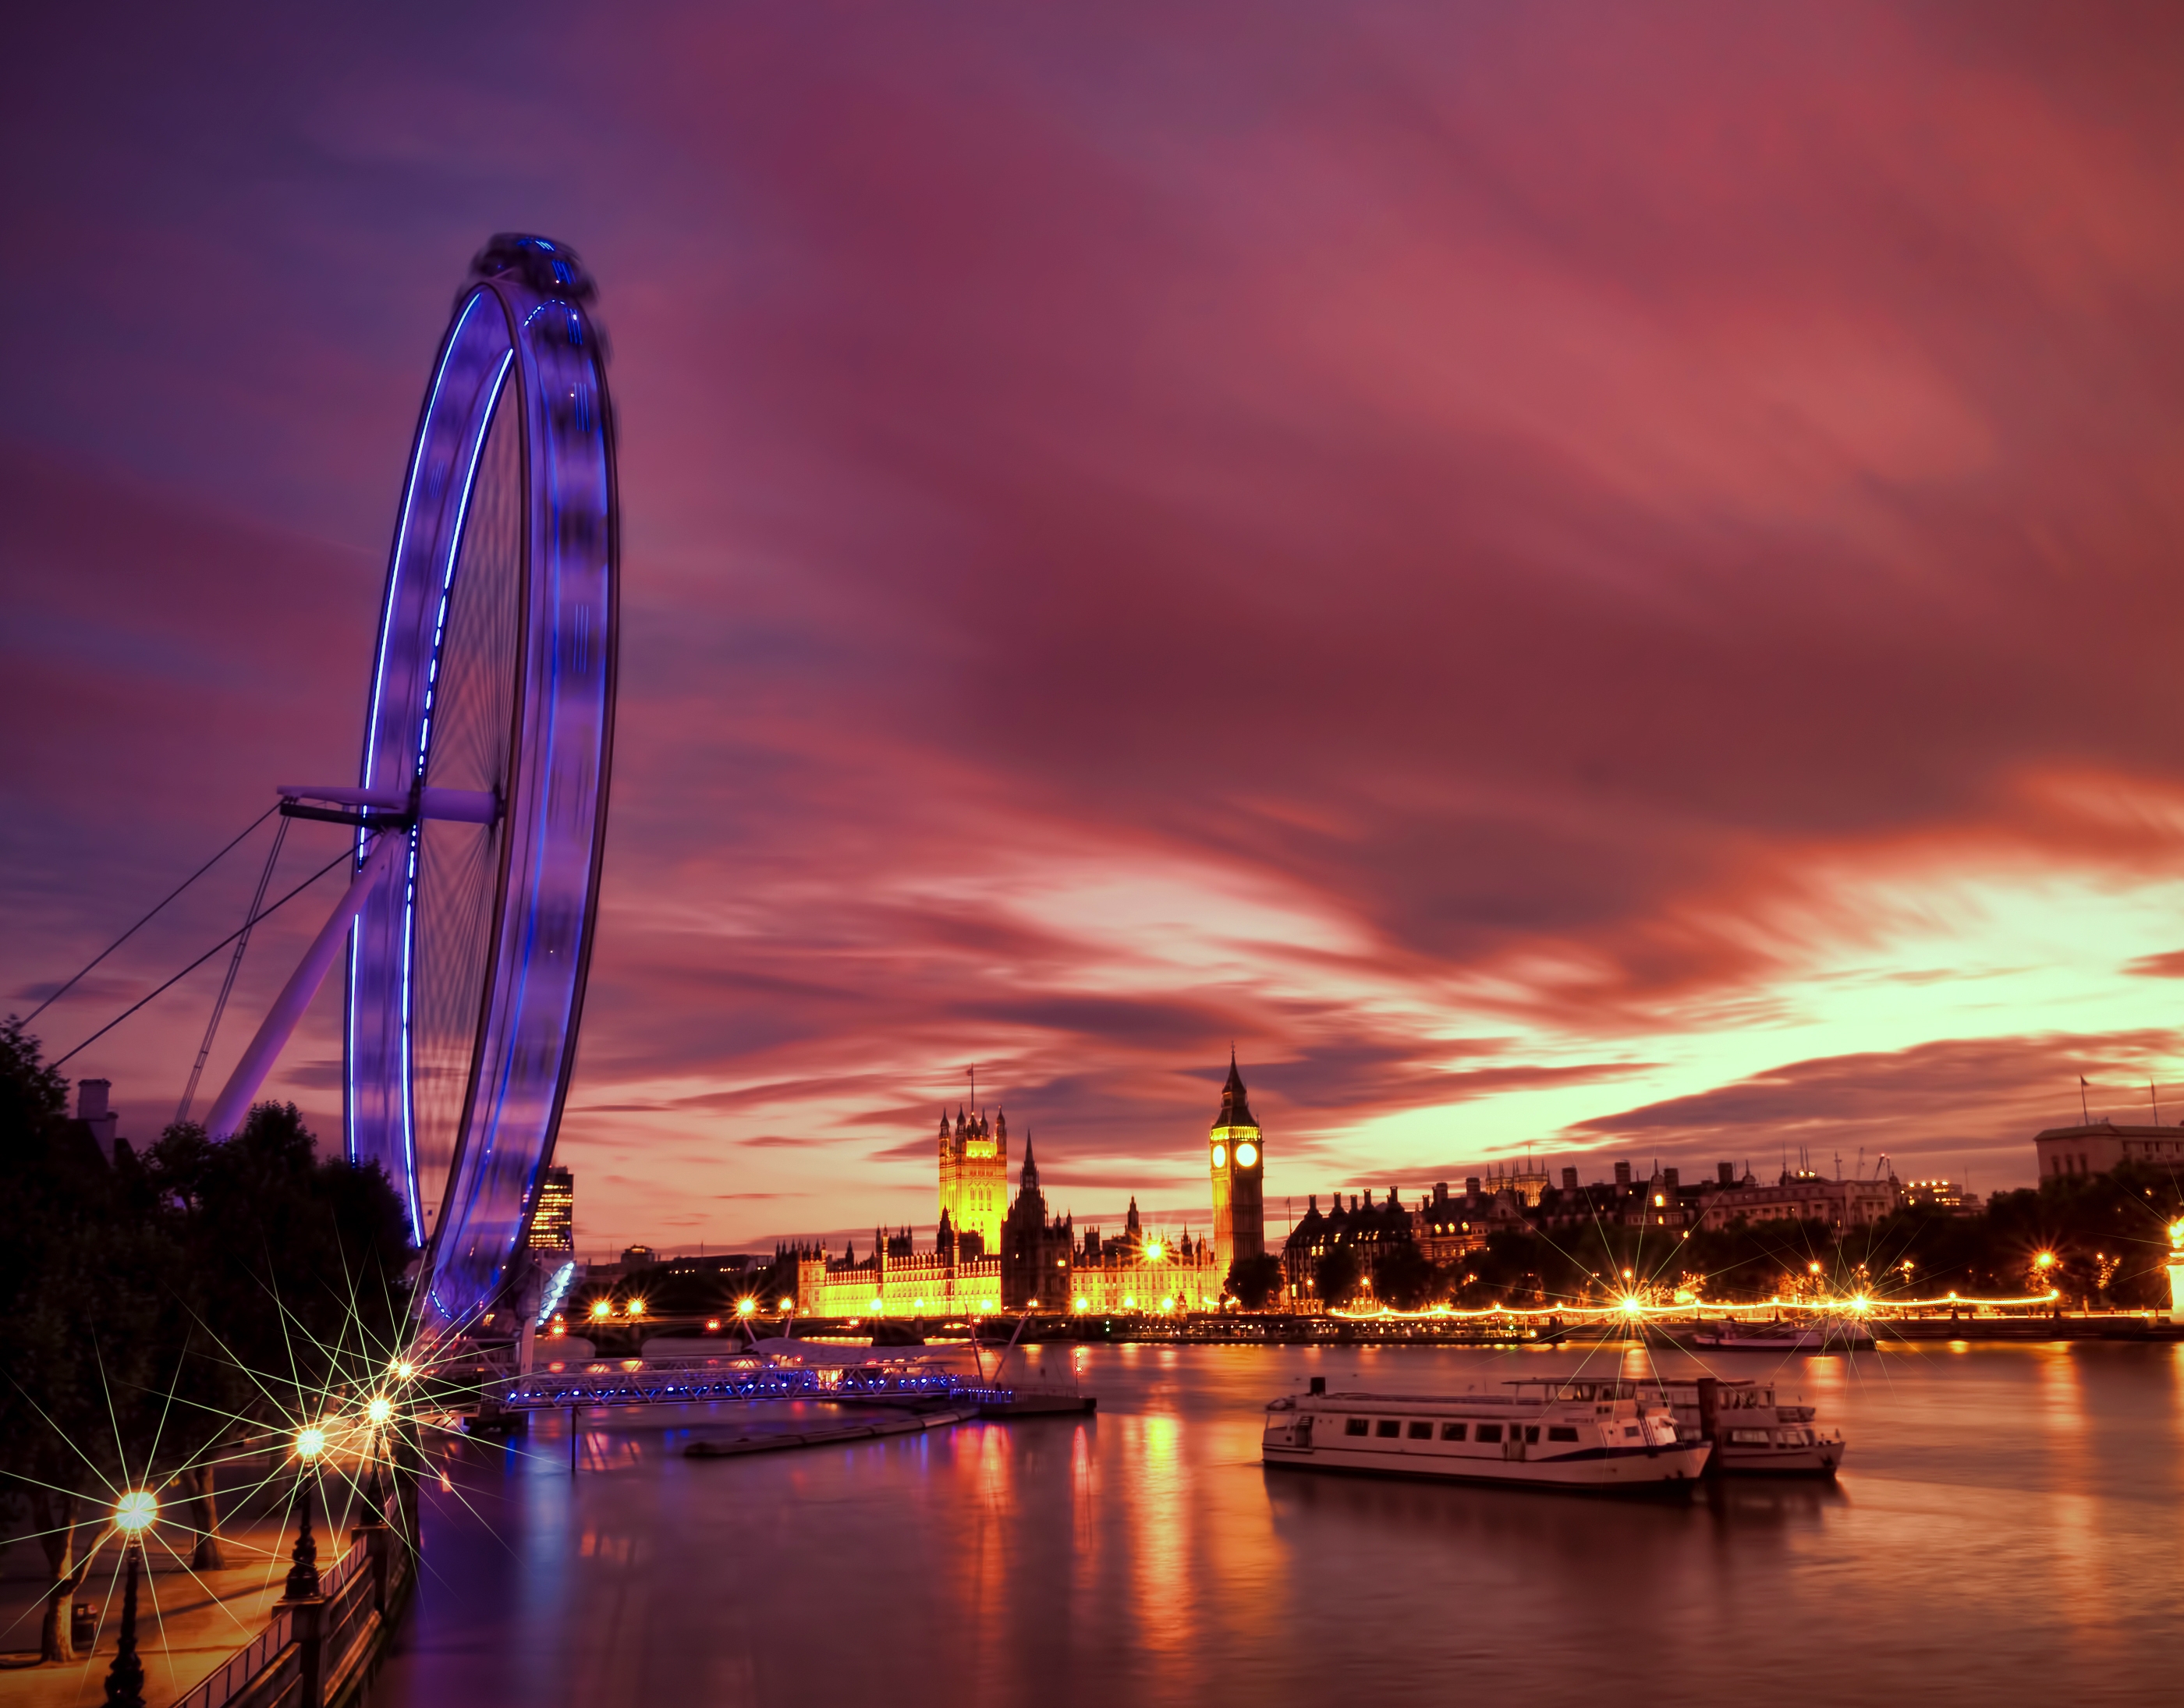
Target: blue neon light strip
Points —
{"points": [[424, 753]]}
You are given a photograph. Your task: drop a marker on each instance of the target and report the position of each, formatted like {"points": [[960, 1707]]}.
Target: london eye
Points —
{"points": [[480, 807]]}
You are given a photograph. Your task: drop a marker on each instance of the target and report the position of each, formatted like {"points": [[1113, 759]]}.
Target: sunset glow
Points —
{"points": [[1653, 746]]}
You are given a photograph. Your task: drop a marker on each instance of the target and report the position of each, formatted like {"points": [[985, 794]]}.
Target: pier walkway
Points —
{"points": [[681, 1381]]}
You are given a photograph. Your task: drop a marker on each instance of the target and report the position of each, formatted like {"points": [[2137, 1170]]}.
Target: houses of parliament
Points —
{"points": [[992, 1252]]}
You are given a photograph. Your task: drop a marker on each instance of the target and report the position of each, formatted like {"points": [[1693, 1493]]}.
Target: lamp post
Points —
{"points": [[2175, 1268], [133, 1514], [303, 1572], [300, 1594]]}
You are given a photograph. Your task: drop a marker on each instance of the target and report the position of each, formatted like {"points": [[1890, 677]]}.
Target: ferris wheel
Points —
{"points": [[480, 812]]}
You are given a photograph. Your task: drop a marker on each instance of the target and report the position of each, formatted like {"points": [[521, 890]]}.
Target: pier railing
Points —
{"points": [[317, 1651]]}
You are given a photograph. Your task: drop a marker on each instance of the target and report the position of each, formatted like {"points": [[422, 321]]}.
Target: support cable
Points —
{"points": [[147, 918], [250, 917], [346, 853]]}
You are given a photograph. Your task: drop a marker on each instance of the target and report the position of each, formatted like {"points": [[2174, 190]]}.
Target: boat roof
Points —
{"points": [[1414, 1400]]}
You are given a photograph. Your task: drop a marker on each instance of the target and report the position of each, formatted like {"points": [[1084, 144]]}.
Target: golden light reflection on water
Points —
{"points": [[1157, 1520], [2004, 1529]]}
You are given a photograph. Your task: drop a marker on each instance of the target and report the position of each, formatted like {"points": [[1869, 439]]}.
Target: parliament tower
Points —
{"points": [[1237, 1154], [974, 1176]]}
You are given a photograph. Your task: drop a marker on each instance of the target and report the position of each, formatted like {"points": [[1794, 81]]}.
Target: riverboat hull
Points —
{"points": [[1821, 1458], [1666, 1471]]}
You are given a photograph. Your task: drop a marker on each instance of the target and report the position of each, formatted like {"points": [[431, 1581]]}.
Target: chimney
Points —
{"points": [[1569, 1180], [1725, 1172], [1671, 1178], [91, 1110], [1623, 1177], [1471, 1188], [1441, 1192]]}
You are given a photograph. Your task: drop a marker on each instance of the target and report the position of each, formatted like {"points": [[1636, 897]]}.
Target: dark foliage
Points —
{"points": [[169, 1298], [1254, 1281]]}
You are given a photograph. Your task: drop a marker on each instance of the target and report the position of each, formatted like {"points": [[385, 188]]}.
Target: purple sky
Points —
{"points": [[1579, 577]]}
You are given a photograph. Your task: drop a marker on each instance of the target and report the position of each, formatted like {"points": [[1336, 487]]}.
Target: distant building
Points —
{"points": [[1940, 1195], [2098, 1147], [1528, 1183], [1801, 1196], [91, 1110], [554, 1218], [1236, 1152], [1446, 1227], [1365, 1228], [638, 1257], [722, 1263]]}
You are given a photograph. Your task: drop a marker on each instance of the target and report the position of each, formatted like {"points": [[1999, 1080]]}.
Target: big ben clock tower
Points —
{"points": [[1237, 1154]]}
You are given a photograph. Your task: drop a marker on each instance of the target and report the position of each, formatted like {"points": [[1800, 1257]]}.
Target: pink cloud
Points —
{"points": [[1143, 530]]}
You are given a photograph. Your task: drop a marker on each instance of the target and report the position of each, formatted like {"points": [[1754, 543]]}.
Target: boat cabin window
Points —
{"points": [[1355, 1426], [1452, 1432], [1422, 1432], [1388, 1425], [1532, 1434], [1557, 1431], [1489, 1432]]}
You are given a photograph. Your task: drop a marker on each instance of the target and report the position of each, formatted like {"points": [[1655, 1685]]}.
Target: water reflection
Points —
{"points": [[1144, 1557]]}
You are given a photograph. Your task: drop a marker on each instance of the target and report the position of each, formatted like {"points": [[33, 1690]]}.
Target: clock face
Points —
{"points": [[1221, 1156], [1247, 1153]]}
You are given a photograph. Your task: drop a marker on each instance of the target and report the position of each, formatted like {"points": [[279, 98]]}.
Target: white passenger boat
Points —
{"points": [[1752, 1431], [1581, 1433]]}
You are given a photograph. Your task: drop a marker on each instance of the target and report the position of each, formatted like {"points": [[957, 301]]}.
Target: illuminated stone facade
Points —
{"points": [[896, 1282], [1236, 1154], [1038, 1264], [1143, 1272], [974, 1176]]}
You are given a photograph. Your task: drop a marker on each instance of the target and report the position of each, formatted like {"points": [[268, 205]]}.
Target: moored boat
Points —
{"points": [[1827, 1334], [1753, 1433], [1599, 1434]]}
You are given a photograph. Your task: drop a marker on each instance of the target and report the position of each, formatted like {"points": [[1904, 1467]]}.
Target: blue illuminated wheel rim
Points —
{"points": [[495, 671]]}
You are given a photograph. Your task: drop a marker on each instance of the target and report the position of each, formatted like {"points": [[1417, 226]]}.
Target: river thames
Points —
{"points": [[2008, 1528]]}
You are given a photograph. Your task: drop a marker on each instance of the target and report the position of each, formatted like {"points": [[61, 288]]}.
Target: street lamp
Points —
{"points": [[134, 1514]]}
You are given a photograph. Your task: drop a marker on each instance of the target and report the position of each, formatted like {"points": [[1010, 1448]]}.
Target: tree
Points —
{"points": [[1254, 1281], [205, 1284], [82, 1280], [295, 1266], [1402, 1275], [1337, 1275]]}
